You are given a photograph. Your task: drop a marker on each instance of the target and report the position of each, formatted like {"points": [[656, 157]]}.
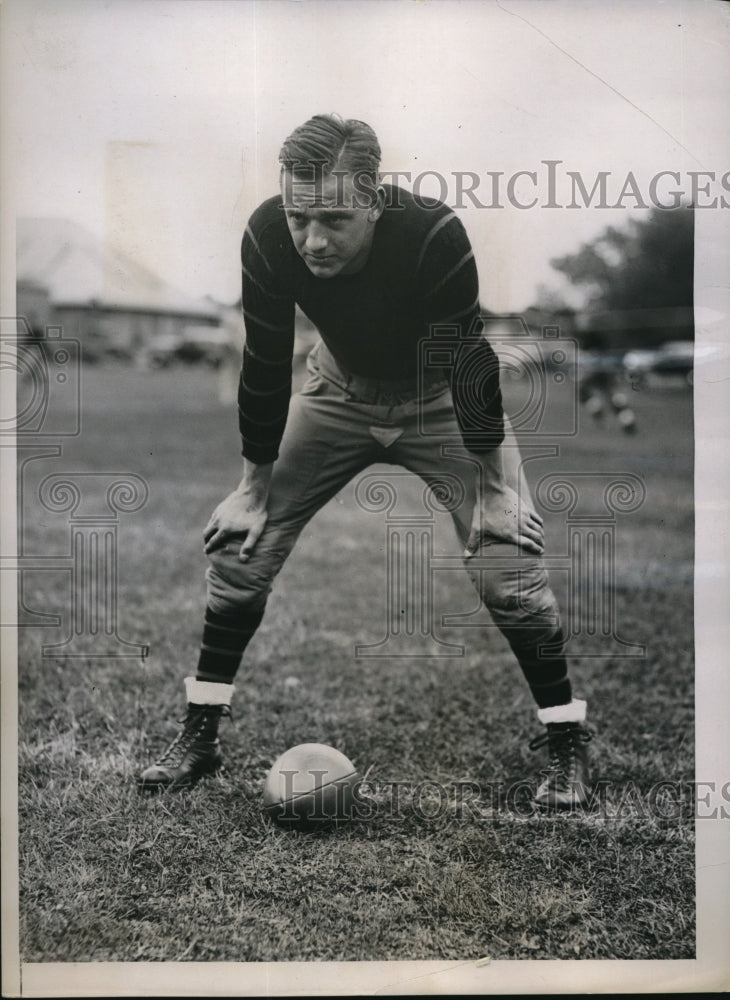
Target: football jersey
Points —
{"points": [[418, 285]]}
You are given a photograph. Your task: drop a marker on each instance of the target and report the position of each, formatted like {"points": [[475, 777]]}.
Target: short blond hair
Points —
{"points": [[326, 143]]}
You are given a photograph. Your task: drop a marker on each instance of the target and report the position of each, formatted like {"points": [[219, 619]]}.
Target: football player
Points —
{"points": [[377, 270]]}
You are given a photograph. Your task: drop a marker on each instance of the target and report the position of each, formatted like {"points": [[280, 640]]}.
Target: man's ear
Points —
{"points": [[378, 206]]}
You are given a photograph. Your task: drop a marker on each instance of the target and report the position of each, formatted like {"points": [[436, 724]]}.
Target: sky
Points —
{"points": [[157, 123]]}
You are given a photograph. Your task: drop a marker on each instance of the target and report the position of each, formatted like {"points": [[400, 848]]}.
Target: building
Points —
{"points": [[113, 305]]}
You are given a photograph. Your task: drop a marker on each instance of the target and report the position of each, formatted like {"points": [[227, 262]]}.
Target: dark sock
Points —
{"points": [[546, 672], [225, 637]]}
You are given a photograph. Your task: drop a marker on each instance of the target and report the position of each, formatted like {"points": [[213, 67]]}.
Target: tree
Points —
{"points": [[649, 267]]}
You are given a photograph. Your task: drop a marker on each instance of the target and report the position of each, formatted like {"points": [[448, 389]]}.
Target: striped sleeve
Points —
{"points": [[447, 278], [264, 389]]}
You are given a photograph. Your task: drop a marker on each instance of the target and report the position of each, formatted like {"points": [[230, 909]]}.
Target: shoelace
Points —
{"points": [[561, 746], [193, 728]]}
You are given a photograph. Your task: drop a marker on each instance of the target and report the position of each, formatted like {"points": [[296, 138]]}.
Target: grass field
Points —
{"points": [[202, 875]]}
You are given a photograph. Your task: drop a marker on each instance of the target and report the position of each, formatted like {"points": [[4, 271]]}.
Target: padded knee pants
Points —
{"points": [[332, 434]]}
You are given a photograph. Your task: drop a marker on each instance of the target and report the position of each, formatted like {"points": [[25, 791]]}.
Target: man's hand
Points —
{"points": [[242, 514], [501, 513]]}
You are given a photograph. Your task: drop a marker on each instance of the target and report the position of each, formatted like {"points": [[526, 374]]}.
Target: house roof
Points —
{"points": [[80, 269]]}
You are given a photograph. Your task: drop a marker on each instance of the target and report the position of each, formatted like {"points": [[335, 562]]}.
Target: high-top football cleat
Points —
{"points": [[566, 780], [195, 751]]}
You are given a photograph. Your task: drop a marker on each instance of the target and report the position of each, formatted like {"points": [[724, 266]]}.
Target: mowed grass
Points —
{"points": [[457, 865]]}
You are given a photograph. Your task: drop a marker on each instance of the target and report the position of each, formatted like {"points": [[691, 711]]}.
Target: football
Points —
{"points": [[310, 785]]}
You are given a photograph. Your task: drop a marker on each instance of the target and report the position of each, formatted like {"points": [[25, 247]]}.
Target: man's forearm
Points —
{"points": [[256, 480], [503, 466], [491, 470]]}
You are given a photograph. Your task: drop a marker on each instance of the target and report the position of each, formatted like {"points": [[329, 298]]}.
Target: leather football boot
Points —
{"points": [[566, 782], [193, 753]]}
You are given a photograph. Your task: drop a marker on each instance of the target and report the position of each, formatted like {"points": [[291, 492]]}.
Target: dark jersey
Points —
{"points": [[419, 284]]}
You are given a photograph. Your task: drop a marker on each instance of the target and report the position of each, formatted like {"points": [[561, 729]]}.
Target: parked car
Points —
{"points": [[197, 344], [677, 357], [674, 359], [161, 350], [207, 344]]}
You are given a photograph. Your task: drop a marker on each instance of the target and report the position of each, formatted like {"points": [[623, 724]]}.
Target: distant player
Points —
{"points": [[600, 392], [375, 269]]}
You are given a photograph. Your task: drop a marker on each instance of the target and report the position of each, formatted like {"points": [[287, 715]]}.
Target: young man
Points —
{"points": [[377, 271]]}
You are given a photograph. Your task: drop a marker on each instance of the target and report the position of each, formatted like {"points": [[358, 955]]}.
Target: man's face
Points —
{"points": [[330, 223]]}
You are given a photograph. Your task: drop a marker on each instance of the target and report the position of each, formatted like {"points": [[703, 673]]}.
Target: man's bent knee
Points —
{"points": [[515, 590], [233, 585], [528, 618]]}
